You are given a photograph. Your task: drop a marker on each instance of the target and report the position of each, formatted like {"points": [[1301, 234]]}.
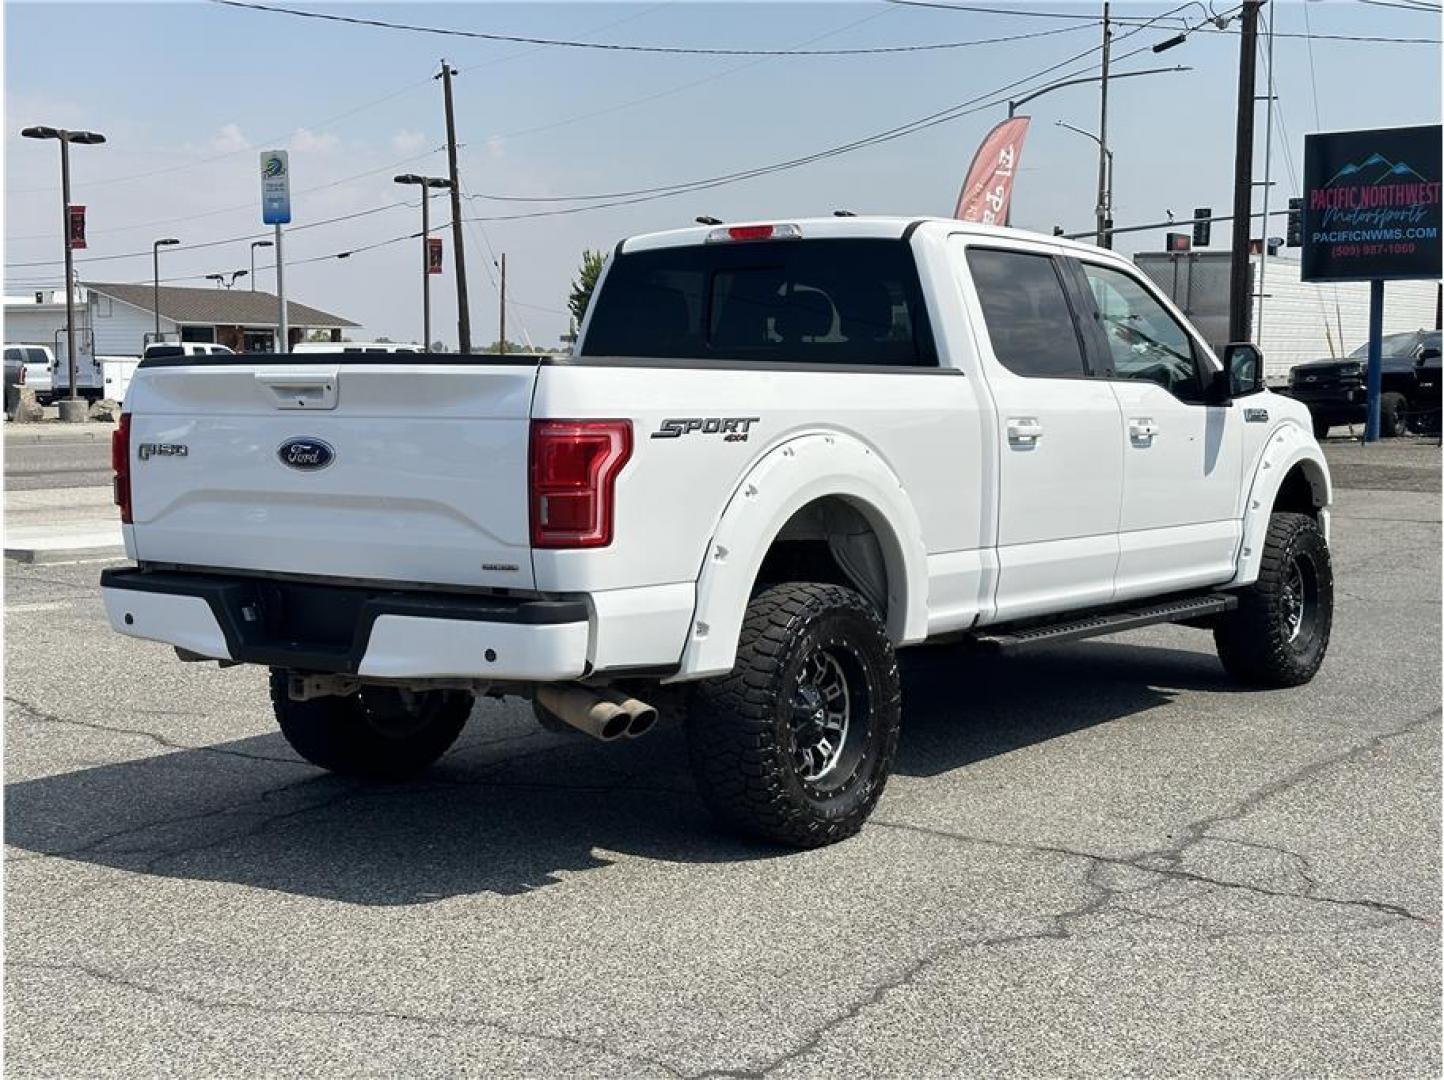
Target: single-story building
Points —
{"points": [[119, 319]]}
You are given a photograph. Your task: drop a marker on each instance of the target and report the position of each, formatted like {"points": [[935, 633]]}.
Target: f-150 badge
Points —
{"points": [[731, 428]]}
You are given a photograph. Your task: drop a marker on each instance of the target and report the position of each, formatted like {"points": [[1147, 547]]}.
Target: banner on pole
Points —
{"points": [[275, 187], [76, 228], [433, 254], [987, 193]]}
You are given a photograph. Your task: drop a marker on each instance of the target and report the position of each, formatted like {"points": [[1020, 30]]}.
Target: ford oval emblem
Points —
{"points": [[306, 454]]}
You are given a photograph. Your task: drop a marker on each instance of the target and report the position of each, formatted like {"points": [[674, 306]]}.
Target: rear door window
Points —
{"points": [[1026, 311], [828, 301]]}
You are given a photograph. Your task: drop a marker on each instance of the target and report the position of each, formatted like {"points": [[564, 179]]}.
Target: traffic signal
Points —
{"points": [[1202, 229], [1295, 233], [1176, 241]]}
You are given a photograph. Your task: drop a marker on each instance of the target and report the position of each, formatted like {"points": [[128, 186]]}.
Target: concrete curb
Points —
{"points": [[43, 431], [38, 556], [83, 541]]}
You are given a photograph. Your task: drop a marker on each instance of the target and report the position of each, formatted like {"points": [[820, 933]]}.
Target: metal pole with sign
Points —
{"points": [[276, 210], [1371, 212]]}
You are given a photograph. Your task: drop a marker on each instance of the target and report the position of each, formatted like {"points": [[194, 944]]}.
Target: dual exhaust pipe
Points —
{"points": [[603, 714]]}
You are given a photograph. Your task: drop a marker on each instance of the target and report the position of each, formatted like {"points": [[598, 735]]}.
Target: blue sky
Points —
{"points": [[191, 92]]}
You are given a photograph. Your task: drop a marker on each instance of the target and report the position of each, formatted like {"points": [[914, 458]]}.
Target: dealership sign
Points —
{"points": [[1371, 206], [275, 187]]}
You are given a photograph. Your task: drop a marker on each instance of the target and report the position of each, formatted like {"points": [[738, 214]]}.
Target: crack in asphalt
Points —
{"points": [[1103, 896], [183, 997], [40, 715]]}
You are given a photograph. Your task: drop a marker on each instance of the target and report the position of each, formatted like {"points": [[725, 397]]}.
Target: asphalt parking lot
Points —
{"points": [[1102, 859]]}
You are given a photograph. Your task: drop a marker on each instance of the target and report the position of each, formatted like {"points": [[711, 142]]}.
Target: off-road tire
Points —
{"points": [[1393, 415], [1256, 642], [375, 734], [742, 727], [1321, 428]]}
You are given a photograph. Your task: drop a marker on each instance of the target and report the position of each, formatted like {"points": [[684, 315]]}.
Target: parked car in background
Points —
{"points": [[39, 364], [1335, 390], [14, 380], [356, 347], [186, 348]]}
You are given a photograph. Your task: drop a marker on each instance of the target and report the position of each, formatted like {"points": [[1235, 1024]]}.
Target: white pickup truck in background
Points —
{"points": [[780, 453]]}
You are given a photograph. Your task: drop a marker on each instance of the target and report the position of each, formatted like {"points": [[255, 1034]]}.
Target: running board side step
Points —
{"points": [[1110, 621]]}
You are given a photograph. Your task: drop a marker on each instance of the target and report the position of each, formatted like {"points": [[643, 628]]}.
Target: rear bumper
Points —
{"points": [[360, 631]]}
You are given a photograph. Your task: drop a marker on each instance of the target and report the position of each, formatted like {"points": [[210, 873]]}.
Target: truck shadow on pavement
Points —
{"points": [[512, 808]]}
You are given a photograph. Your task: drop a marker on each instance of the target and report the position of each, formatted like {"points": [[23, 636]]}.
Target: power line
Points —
{"points": [[217, 243], [1425, 9], [1127, 20], [945, 115], [241, 206], [577, 117], [249, 149], [563, 43]]}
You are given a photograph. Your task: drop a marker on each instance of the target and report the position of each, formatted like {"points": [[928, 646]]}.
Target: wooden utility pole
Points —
{"points": [[1103, 210], [1239, 300], [502, 320], [458, 252]]}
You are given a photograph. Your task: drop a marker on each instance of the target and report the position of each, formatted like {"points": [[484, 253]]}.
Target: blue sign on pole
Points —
{"points": [[275, 187]]}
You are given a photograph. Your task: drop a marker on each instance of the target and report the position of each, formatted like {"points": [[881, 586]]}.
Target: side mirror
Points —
{"points": [[1243, 364]]}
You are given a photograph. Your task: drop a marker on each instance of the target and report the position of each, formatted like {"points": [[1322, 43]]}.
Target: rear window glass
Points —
{"points": [[165, 350], [812, 302]]}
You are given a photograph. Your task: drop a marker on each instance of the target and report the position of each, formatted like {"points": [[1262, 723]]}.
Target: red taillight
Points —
{"points": [[574, 467], [20, 377], [120, 464]]}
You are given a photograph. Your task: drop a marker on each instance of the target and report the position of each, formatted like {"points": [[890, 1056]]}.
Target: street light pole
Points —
{"points": [[426, 183], [73, 412], [1105, 193], [255, 244], [1013, 104], [155, 288]]}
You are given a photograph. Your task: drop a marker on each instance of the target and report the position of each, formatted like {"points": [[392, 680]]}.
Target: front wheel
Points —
{"points": [[1321, 428], [1393, 415], [795, 744], [378, 733], [1278, 634]]}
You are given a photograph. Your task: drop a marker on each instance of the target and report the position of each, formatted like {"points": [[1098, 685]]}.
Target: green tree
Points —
{"points": [[586, 281]]}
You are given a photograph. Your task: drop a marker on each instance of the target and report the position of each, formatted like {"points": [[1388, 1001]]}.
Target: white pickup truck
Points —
{"points": [[779, 453]]}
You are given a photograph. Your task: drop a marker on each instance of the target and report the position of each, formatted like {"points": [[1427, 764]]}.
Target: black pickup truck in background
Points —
{"points": [[1335, 391]]}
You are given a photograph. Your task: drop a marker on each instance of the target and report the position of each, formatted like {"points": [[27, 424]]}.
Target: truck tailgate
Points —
{"points": [[395, 471]]}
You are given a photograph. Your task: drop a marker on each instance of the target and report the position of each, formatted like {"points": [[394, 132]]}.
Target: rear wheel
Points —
{"points": [[1279, 633], [378, 733], [1393, 415], [795, 744]]}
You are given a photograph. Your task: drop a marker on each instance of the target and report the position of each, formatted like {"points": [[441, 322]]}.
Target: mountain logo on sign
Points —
{"points": [[1375, 169]]}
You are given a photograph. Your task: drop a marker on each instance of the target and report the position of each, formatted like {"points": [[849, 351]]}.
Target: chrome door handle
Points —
{"points": [[1024, 431], [1142, 429]]}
